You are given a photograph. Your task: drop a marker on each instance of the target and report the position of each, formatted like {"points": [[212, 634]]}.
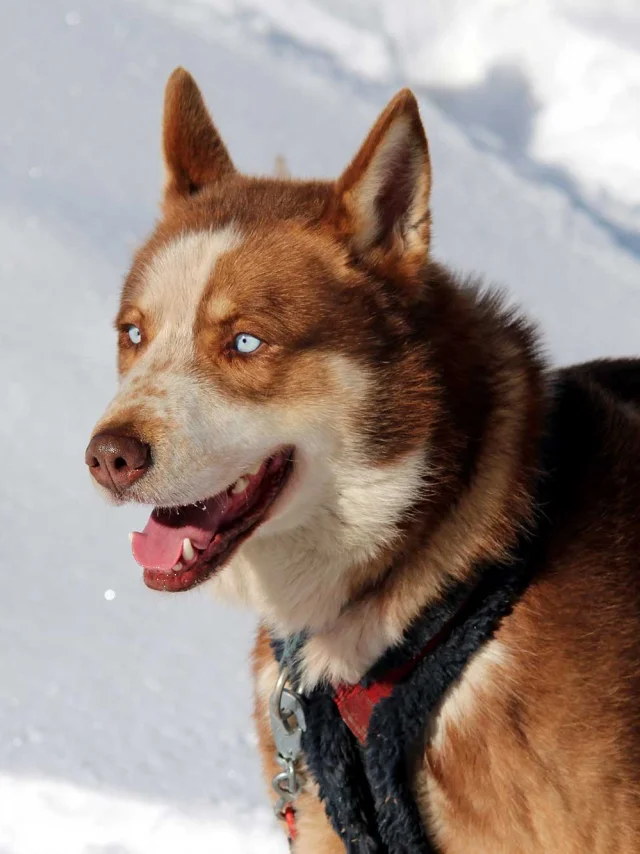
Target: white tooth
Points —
{"points": [[240, 485], [255, 469], [187, 549], [130, 536], [177, 567]]}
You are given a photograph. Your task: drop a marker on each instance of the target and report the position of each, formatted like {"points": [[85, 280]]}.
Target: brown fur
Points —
{"points": [[537, 748]]}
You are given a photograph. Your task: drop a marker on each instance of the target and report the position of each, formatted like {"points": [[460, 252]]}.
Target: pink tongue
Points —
{"points": [[159, 546]]}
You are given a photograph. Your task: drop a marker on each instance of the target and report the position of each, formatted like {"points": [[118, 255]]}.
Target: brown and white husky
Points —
{"points": [[334, 429]]}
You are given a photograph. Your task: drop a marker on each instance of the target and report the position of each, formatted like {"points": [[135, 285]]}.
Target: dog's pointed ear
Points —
{"points": [[382, 199], [194, 154]]}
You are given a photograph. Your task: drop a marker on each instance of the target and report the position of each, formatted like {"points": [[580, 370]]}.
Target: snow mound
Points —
{"points": [[47, 817], [555, 83]]}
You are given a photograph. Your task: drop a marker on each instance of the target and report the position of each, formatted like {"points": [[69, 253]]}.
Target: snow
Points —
{"points": [[124, 714], [554, 84], [72, 820]]}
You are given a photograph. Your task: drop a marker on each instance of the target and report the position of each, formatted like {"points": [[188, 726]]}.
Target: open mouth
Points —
{"points": [[184, 546]]}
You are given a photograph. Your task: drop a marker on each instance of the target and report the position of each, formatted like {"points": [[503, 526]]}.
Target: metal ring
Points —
{"points": [[292, 782], [281, 783], [280, 807], [276, 700]]}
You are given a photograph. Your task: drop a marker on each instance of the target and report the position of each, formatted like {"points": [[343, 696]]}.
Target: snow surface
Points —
{"points": [[553, 84], [125, 719], [73, 820]]}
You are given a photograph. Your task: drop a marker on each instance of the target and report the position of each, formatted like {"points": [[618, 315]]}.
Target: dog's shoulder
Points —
{"points": [[620, 378], [538, 698], [600, 400], [593, 444], [588, 583]]}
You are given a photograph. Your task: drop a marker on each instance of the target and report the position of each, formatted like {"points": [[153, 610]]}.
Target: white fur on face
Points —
{"points": [[176, 278], [299, 575], [199, 425]]}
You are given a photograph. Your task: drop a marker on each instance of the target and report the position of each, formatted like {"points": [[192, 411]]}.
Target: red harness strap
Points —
{"points": [[289, 815], [356, 703]]}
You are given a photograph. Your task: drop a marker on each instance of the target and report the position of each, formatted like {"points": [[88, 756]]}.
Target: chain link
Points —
{"points": [[288, 722]]}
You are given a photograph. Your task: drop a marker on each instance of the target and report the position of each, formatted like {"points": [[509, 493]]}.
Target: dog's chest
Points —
{"points": [[475, 782]]}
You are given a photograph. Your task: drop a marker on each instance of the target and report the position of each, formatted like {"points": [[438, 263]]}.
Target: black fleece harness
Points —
{"points": [[364, 778]]}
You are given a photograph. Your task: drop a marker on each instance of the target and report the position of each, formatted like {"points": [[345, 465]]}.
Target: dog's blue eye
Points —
{"points": [[135, 336], [245, 343]]}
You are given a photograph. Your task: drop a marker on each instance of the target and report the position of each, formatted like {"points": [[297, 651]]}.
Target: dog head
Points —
{"points": [[274, 402]]}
